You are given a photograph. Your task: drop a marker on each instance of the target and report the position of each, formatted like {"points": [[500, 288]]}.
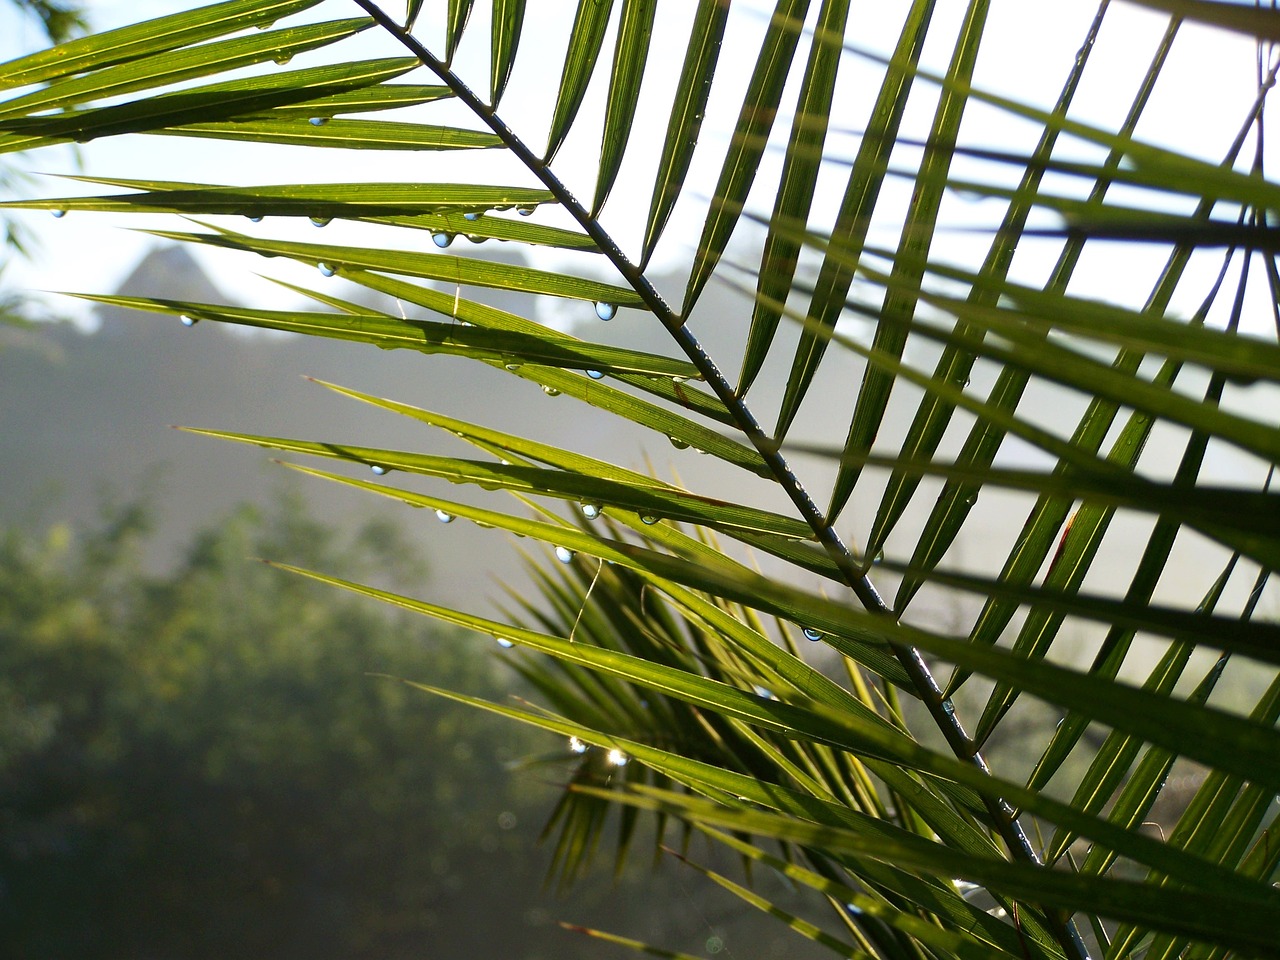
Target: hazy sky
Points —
{"points": [[1027, 52]]}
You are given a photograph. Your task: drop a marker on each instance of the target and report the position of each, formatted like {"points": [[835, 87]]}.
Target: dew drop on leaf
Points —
{"points": [[318, 121], [58, 214], [525, 211], [678, 443], [551, 391], [576, 745], [327, 269], [595, 374], [379, 469], [189, 321], [591, 510], [648, 519], [504, 642], [444, 517], [442, 239], [321, 221], [472, 216], [811, 634], [564, 554], [606, 311], [617, 758]]}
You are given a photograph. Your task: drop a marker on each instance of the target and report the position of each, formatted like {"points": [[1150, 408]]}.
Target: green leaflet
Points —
{"points": [[167, 68], [759, 107], [584, 49], [630, 55], [216, 102], [912, 256], [795, 195], [508, 18], [687, 111], [432, 266], [645, 499], [142, 39]]}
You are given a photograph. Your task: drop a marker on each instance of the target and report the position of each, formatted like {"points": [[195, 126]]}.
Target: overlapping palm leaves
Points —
{"points": [[667, 658]]}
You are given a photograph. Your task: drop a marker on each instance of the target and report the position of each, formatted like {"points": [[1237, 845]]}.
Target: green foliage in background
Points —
{"points": [[657, 648], [59, 21], [198, 763]]}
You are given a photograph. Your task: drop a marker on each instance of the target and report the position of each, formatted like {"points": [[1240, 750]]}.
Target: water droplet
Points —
{"points": [[595, 374], [576, 745], [551, 391], [254, 217], [617, 758], [321, 221], [472, 216], [444, 517], [765, 692], [504, 642], [564, 554], [948, 708], [189, 321], [379, 469], [442, 239], [853, 909], [476, 238], [327, 269], [811, 634], [525, 211], [318, 121], [678, 443], [606, 311], [58, 214], [283, 57], [591, 510], [648, 519], [513, 367]]}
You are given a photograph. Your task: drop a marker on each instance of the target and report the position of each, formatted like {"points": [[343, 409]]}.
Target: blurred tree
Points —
{"points": [[197, 764], [59, 21]]}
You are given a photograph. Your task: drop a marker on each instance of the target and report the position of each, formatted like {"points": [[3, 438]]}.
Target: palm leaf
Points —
{"points": [[655, 640]]}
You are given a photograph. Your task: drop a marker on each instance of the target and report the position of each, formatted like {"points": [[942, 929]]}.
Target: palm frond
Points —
{"points": [[961, 379]]}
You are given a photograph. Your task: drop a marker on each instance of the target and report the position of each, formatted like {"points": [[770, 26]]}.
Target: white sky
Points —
{"points": [[1027, 52]]}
